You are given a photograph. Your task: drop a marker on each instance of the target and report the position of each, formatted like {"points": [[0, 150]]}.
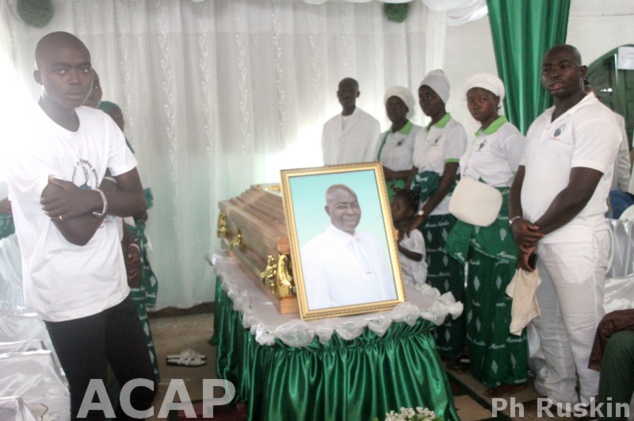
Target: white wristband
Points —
{"points": [[105, 204], [135, 245], [513, 219]]}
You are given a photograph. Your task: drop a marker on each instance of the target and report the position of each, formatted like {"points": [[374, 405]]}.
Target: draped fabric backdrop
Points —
{"points": [[523, 30], [222, 94]]}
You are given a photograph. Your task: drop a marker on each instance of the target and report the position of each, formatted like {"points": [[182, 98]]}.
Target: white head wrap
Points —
{"points": [[486, 81], [438, 82], [405, 95]]}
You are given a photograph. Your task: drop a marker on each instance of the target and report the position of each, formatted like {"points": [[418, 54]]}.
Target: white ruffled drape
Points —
{"points": [[222, 94], [458, 12], [266, 323]]}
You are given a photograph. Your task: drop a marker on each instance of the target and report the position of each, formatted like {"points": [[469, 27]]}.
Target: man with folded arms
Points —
{"points": [[74, 274]]}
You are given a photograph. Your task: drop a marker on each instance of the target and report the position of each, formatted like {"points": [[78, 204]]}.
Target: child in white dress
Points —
{"points": [[411, 248]]}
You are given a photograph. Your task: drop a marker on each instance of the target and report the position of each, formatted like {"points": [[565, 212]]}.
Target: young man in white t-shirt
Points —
{"points": [[557, 208], [74, 275]]}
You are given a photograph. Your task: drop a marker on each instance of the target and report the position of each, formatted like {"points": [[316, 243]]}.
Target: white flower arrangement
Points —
{"points": [[409, 414]]}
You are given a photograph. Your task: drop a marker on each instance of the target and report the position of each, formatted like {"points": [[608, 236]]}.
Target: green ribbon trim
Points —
{"points": [[443, 121], [493, 127], [405, 130]]}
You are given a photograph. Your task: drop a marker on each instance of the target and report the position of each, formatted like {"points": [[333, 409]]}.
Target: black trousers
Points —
{"points": [[85, 346]]}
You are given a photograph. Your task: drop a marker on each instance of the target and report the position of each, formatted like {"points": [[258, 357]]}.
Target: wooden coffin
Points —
{"points": [[253, 228]]}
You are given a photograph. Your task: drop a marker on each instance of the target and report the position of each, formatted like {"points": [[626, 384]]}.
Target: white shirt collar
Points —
{"points": [[342, 234]]}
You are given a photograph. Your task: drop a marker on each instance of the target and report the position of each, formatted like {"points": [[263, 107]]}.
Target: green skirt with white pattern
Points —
{"points": [[447, 275], [496, 355]]}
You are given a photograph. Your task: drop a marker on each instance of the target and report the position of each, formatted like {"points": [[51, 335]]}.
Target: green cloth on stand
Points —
{"points": [[447, 275], [496, 355], [341, 380]]}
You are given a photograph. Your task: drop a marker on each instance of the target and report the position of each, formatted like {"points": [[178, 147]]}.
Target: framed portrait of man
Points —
{"points": [[345, 258]]}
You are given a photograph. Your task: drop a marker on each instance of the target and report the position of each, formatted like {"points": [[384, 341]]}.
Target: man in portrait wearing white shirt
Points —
{"points": [[351, 136], [342, 266]]}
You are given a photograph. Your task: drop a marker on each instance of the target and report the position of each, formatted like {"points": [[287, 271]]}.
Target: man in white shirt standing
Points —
{"points": [[73, 270], [343, 266], [351, 136], [557, 210]]}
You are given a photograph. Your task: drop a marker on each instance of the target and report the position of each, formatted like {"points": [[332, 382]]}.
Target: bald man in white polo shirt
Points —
{"points": [[557, 208], [351, 136]]}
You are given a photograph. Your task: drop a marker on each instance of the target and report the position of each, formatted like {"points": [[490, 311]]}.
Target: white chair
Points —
{"points": [[13, 408], [34, 376]]}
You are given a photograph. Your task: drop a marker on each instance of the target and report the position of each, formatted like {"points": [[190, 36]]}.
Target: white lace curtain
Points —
{"points": [[222, 94]]}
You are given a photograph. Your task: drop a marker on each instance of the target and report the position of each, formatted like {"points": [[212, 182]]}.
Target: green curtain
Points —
{"points": [[355, 380], [523, 30]]}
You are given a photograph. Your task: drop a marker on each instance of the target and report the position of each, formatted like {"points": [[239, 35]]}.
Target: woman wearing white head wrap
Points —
{"points": [[396, 145], [437, 151], [498, 358], [488, 82]]}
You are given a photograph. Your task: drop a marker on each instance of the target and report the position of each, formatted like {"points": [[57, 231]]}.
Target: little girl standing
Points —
{"points": [[411, 249]]}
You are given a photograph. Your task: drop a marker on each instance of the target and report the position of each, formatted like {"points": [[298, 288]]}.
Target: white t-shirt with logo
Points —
{"points": [[495, 155], [63, 281], [437, 146], [587, 135]]}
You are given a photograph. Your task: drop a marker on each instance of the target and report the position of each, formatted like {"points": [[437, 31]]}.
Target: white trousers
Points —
{"points": [[570, 299]]}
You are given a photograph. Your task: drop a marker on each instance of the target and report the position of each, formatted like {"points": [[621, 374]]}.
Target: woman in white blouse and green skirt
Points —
{"points": [[396, 145], [435, 165], [498, 358]]}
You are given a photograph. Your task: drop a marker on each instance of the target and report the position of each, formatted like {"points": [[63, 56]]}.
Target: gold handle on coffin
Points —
{"points": [[276, 187], [221, 230], [237, 240], [284, 285], [268, 275]]}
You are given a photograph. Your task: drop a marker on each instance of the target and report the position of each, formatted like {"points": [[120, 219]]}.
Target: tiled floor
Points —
{"points": [[173, 334]]}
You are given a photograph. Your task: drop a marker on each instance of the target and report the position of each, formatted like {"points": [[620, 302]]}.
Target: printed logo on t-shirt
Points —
{"points": [[559, 130], [85, 175], [434, 142]]}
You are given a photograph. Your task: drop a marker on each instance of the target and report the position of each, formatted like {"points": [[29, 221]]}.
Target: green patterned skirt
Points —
{"points": [[144, 296], [496, 355], [447, 275]]}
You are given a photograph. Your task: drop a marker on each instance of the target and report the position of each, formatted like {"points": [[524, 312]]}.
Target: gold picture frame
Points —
{"points": [[344, 255]]}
